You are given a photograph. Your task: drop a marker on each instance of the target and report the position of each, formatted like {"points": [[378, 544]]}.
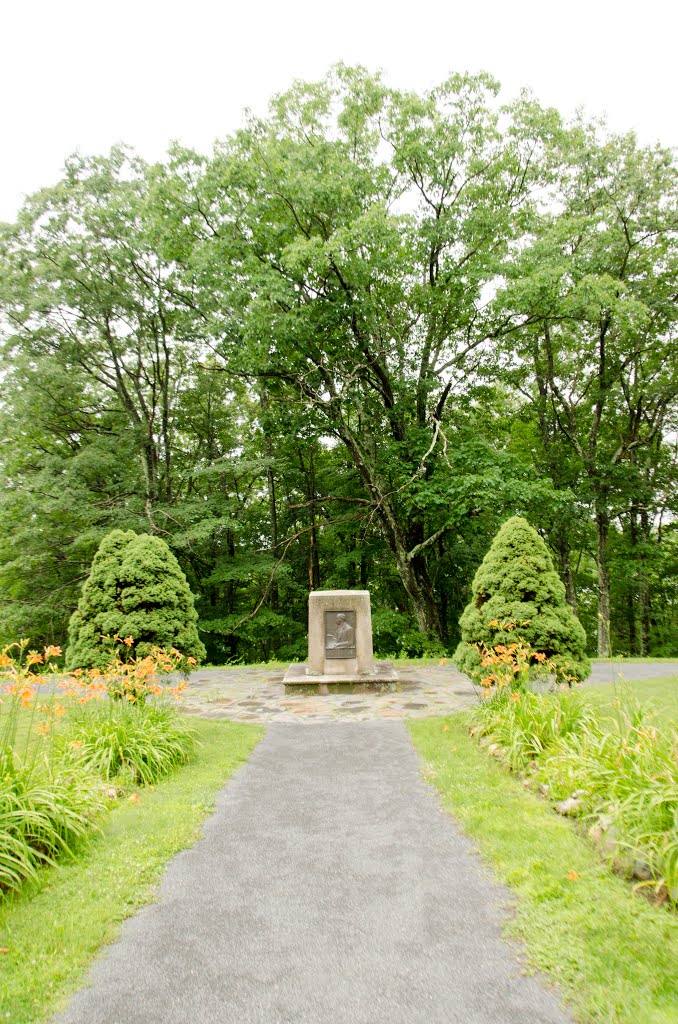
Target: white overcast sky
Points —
{"points": [[83, 75]]}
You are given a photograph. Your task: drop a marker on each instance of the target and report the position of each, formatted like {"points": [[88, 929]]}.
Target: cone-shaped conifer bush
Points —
{"points": [[135, 588], [517, 582]]}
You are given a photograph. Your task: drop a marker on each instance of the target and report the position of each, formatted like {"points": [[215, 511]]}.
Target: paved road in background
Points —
{"points": [[329, 888], [609, 672]]}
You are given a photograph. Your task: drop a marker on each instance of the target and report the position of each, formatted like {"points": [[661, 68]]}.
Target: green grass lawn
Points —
{"points": [[661, 692], [613, 955], [50, 932]]}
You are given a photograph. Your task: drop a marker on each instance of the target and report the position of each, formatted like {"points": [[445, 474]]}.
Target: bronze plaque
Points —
{"points": [[340, 634]]}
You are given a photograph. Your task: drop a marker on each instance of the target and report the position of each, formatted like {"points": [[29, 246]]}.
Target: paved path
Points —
{"points": [[329, 888], [258, 695]]}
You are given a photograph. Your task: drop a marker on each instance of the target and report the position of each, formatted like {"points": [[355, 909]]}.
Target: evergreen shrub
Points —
{"points": [[517, 584], [136, 589]]}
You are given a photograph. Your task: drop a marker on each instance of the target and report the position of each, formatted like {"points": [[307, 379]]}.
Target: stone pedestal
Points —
{"points": [[340, 653]]}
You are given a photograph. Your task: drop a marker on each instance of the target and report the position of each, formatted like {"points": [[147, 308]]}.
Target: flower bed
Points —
{"points": [[65, 738], [614, 771]]}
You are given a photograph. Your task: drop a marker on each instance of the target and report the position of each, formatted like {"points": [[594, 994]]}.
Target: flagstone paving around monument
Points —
{"points": [[258, 695]]}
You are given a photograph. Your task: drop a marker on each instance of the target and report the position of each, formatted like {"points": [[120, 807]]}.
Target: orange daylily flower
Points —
{"points": [[26, 693]]}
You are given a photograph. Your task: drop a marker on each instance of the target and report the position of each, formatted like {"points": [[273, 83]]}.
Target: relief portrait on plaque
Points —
{"points": [[340, 634]]}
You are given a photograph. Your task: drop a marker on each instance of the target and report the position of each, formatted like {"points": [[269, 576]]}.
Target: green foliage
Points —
{"points": [[596, 294], [517, 583], [286, 359], [139, 743], [57, 749], [528, 726], [394, 637], [135, 589], [619, 759], [45, 807]]}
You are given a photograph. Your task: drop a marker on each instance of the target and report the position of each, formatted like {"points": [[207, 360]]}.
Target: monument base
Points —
{"points": [[383, 679]]}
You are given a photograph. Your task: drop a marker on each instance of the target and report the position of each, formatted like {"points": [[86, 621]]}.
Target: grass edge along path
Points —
{"points": [[52, 930], [612, 954]]}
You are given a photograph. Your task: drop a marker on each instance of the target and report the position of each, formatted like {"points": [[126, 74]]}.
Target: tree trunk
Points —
{"points": [[313, 558], [631, 621], [567, 574], [149, 464], [230, 585], [273, 525], [602, 531], [644, 616], [272, 508], [417, 582], [644, 590], [631, 598], [413, 570]]}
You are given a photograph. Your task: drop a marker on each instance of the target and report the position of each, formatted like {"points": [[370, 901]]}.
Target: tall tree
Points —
{"points": [[594, 296], [341, 352], [345, 248], [86, 283]]}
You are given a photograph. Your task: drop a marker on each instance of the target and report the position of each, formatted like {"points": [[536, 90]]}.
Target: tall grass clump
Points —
{"points": [[626, 769], [62, 738], [140, 743], [44, 810], [526, 724], [614, 770], [45, 804]]}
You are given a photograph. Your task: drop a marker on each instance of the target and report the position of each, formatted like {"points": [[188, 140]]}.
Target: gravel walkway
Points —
{"points": [[329, 888]]}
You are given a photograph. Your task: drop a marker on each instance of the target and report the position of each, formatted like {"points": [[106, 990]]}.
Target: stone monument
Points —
{"points": [[340, 646]]}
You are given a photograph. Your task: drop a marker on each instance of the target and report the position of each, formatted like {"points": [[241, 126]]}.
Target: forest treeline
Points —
{"points": [[340, 352]]}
